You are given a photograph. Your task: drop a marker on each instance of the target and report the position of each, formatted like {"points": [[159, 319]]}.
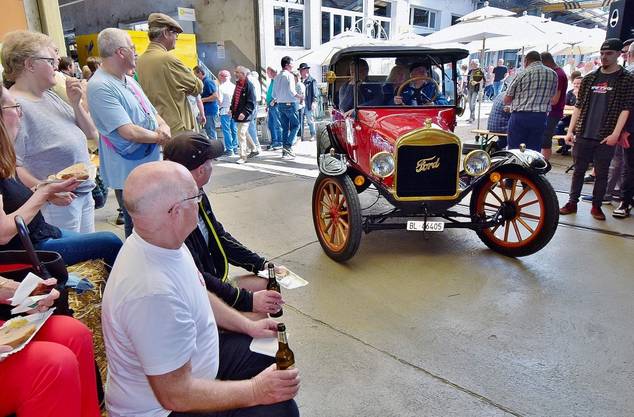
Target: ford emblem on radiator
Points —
{"points": [[427, 164]]}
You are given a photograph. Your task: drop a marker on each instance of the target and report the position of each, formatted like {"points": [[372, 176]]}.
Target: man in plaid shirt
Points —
{"points": [[602, 109], [529, 97]]}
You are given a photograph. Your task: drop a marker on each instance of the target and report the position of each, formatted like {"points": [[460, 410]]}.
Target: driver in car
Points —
{"points": [[422, 91]]}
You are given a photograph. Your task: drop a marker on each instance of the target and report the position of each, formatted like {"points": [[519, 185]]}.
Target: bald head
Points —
{"points": [[153, 188]]}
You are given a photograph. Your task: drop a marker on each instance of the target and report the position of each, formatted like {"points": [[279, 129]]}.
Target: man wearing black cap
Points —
{"points": [[211, 246], [603, 106], [164, 78], [310, 100]]}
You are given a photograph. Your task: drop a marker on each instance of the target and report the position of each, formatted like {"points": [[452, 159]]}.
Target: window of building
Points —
{"points": [[288, 22], [336, 24], [454, 19], [352, 5], [382, 8], [422, 18], [325, 27], [337, 20]]}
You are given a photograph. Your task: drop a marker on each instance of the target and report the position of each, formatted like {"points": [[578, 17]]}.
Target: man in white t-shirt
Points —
{"points": [[166, 356], [227, 124]]}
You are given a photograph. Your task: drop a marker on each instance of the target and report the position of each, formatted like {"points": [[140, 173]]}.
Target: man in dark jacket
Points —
{"points": [[211, 246], [242, 111]]}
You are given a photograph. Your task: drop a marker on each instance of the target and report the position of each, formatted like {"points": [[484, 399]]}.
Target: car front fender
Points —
{"points": [[525, 158]]}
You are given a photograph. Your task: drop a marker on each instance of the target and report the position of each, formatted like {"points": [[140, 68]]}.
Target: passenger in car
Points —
{"points": [[423, 91], [398, 75], [368, 94]]}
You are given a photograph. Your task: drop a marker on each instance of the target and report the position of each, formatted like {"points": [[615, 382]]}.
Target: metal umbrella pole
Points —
{"points": [[481, 90]]}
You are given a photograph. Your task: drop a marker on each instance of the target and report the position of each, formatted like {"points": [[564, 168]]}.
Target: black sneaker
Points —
{"points": [[588, 179], [622, 211], [253, 154], [289, 152], [120, 220]]}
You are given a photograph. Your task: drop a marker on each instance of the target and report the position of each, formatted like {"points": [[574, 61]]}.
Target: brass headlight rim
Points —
{"points": [[466, 158], [393, 164]]}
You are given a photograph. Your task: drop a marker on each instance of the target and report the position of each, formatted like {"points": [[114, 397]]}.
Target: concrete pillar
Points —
{"points": [[312, 25], [51, 21], [32, 12], [400, 17]]}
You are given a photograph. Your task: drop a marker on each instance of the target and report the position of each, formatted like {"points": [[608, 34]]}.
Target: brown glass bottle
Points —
{"points": [[284, 358], [273, 285]]}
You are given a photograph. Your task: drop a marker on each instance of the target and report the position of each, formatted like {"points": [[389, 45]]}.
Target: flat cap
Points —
{"points": [[192, 149], [162, 20]]}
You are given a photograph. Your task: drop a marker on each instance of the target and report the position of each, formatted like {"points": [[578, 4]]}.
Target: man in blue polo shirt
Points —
{"points": [[209, 98], [130, 129]]}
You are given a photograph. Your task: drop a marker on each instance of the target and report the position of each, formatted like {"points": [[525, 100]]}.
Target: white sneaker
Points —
{"points": [[241, 161]]}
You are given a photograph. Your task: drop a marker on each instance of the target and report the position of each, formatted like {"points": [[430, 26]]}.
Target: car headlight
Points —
{"points": [[476, 163], [382, 164]]}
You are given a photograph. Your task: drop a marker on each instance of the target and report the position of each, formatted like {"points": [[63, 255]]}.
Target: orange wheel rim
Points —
{"points": [[333, 217], [520, 193]]}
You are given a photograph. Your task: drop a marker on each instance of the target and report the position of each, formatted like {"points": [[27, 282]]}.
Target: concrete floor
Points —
{"points": [[443, 326]]}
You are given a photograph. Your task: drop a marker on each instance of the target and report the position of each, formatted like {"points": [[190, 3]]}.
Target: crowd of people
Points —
{"points": [[530, 111], [177, 328]]}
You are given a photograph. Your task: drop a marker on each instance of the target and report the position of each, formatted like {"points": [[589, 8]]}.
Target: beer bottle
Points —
{"points": [[284, 358], [273, 285]]}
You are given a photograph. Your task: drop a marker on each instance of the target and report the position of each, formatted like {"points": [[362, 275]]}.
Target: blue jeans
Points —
{"points": [[497, 87], [229, 132], [78, 247], [310, 120], [274, 126], [290, 123], [210, 126], [253, 127], [527, 128]]}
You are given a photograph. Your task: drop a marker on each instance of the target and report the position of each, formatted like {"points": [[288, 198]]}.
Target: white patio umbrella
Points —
{"points": [[482, 28], [322, 54], [486, 12], [415, 40], [588, 41], [551, 34]]}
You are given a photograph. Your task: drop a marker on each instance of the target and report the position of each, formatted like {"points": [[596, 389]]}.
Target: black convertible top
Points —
{"points": [[441, 55]]}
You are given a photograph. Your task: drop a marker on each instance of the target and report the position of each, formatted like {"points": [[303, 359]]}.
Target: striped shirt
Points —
{"points": [[533, 88]]}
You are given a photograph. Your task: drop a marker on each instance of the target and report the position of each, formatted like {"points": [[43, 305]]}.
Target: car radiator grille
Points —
{"points": [[427, 171]]}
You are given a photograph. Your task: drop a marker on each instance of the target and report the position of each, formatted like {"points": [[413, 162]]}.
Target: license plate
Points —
{"points": [[419, 226]]}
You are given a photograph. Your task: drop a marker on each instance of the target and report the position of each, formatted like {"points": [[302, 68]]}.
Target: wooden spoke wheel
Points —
{"points": [[337, 216], [527, 206]]}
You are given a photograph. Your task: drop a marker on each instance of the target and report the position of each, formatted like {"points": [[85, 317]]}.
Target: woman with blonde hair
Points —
{"points": [[18, 199], [398, 75], [53, 133]]}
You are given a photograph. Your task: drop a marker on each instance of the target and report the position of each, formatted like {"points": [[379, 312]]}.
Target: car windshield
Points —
{"points": [[402, 81]]}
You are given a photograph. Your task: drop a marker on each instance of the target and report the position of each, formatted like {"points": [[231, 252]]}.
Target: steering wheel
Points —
{"points": [[419, 78]]}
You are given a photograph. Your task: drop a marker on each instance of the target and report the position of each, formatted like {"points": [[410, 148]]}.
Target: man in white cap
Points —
{"points": [[164, 78]]}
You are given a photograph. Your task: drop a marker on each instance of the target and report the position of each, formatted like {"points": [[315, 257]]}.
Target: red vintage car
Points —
{"points": [[394, 110]]}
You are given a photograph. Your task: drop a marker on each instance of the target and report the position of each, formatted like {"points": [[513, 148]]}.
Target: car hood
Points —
{"points": [[396, 125]]}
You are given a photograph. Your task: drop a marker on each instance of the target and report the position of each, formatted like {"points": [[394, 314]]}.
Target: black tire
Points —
{"points": [[323, 141], [536, 206], [338, 228]]}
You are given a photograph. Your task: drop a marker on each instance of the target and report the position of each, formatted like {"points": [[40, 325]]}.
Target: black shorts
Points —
{"points": [[551, 125]]}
